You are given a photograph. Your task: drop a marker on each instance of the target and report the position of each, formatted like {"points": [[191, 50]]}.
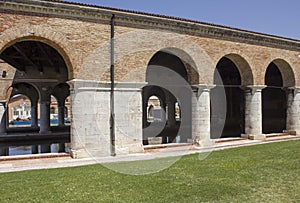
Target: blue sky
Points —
{"points": [[277, 17]]}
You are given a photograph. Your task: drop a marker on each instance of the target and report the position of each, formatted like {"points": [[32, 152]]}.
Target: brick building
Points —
{"points": [[227, 82]]}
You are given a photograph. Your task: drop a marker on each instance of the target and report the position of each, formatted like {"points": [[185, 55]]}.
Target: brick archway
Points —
{"points": [[243, 67], [279, 76], [286, 71], [39, 33]]}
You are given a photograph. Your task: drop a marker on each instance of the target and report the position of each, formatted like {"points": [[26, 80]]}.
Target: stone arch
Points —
{"points": [[39, 62], [231, 73], [167, 71], [279, 76], [61, 91], [155, 91], [287, 73], [40, 33], [188, 62], [30, 90], [243, 67]]}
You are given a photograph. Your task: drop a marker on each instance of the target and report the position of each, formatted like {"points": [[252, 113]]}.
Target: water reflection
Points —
{"points": [[26, 150]]}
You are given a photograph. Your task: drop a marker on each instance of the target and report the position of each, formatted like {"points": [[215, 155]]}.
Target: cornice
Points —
{"points": [[144, 21]]}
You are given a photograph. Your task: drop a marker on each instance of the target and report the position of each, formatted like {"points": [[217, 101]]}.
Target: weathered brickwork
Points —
{"points": [[85, 47]]}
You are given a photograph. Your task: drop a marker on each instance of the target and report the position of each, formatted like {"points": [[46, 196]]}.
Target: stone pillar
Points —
{"points": [[61, 113], [45, 120], [3, 116], [34, 114], [253, 112], [201, 116], [34, 123], [129, 118], [61, 119], [34, 149], [145, 113], [61, 148], [44, 117], [4, 151], [34, 117], [90, 123], [164, 110], [90, 118], [293, 111], [171, 111]]}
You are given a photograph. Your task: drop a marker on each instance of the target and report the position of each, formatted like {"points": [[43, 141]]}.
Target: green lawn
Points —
{"points": [[262, 173]]}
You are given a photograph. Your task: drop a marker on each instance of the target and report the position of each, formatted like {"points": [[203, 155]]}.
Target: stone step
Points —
{"points": [[230, 139], [33, 156], [163, 146], [276, 135]]}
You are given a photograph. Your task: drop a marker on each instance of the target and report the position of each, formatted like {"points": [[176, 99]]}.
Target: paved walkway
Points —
{"points": [[46, 161]]}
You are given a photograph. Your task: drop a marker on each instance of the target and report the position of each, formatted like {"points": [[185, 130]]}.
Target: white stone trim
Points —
{"points": [[93, 85], [199, 88]]}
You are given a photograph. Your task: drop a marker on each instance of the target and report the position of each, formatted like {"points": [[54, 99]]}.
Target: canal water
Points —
{"points": [[26, 150]]}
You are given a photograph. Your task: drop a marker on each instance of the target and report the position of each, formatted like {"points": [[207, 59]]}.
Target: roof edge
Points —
{"points": [[66, 9]]}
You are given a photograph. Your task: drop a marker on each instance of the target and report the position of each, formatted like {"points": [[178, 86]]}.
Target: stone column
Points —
{"points": [[34, 123], [34, 114], [201, 115], [61, 148], [4, 151], [145, 113], [293, 111], [164, 110], [171, 111], [253, 112], [3, 116], [61, 122], [61, 113], [45, 119]]}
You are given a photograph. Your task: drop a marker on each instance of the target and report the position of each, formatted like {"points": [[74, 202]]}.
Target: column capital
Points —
{"points": [[203, 87], [295, 89], [254, 88], [104, 86], [3, 102]]}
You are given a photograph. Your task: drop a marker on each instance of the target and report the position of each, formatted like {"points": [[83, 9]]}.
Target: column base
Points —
{"points": [[78, 153], [61, 148], [45, 148], [257, 137], [45, 132], [129, 148], [89, 153], [291, 132], [34, 149], [4, 151], [246, 136], [198, 142]]}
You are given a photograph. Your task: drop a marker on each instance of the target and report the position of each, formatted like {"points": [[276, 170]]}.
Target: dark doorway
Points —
{"points": [[167, 80], [228, 79], [274, 102]]}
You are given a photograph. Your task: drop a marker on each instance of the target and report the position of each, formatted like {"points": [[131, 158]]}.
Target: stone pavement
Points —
{"points": [[46, 161]]}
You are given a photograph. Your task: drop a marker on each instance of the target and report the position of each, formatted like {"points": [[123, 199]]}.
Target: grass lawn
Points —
{"points": [[262, 173]]}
